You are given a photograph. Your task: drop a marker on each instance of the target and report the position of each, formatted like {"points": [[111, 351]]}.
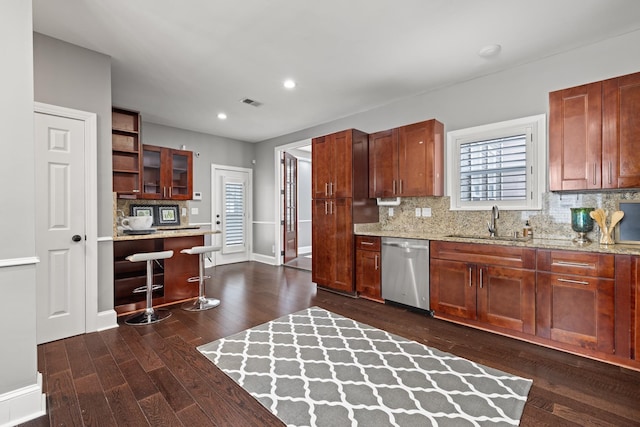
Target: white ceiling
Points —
{"points": [[180, 63]]}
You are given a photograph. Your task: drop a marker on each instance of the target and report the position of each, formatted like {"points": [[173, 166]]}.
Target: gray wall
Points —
{"points": [[518, 92], [18, 358], [70, 76], [212, 150]]}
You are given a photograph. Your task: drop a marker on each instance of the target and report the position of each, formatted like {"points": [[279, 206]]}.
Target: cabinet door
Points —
{"points": [[420, 160], [153, 181], [181, 175], [323, 248], [383, 163], [575, 138], [340, 210], [621, 132], [342, 161], [453, 289], [321, 153], [576, 310], [506, 298], [368, 274]]}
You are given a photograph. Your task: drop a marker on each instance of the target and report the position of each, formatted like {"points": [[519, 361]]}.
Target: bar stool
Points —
{"points": [[202, 303], [149, 315]]}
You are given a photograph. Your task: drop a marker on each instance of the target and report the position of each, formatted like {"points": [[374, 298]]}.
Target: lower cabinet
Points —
{"points": [[575, 302], [172, 272], [484, 285], [368, 266]]}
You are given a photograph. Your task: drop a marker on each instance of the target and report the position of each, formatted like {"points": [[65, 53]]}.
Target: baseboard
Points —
{"points": [[304, 249], [24, 404], [264, 259], [106, 320]]}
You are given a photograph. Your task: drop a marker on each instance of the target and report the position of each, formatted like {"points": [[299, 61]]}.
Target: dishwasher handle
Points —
{"points": [[404, 245]]}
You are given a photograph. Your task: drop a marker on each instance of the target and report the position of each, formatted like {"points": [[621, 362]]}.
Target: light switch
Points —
{"points": [[426, 211], [194, 211], [184, 212], [390, 211]]}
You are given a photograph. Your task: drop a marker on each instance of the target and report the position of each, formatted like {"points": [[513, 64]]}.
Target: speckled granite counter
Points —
{"points": [[534, 243], [163, 234]]}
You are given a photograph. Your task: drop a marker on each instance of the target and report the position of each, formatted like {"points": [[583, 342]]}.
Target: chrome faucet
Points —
{"points": [[491, 225]]}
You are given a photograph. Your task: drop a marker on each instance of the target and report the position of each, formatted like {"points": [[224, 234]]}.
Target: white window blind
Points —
{"points": [[234, 213], [494, 169]]}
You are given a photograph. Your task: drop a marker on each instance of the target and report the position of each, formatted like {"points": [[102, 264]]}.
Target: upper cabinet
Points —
{"points": [[167, 173], [126, 155], [407, 161], [592, 129], [333, 168]]}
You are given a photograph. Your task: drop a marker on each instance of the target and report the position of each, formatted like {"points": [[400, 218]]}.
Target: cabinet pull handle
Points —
{"points": [[331, 188], [330, 207], [481, 278], [164, 192], [376, 260], [170, 192], [572, 264], [326, 210], [366, 243], [400, 186], [470, 284], [326, 189], [577, 282], [394, 186]]}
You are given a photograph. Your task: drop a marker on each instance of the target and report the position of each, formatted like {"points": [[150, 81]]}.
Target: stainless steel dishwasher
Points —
{"points": [[405, 271]]}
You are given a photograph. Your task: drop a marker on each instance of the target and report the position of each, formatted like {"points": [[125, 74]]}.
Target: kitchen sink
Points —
{"points": [[495, 238]]}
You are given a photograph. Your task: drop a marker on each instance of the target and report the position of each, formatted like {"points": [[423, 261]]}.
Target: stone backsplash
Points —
{"points": [[552, 222], [122, 207]]}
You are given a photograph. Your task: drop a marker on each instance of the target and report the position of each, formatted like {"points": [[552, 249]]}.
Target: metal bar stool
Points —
{"points": [[202, 303], [149, 315]]}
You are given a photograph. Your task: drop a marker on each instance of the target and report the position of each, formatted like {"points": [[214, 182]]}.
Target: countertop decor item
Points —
{"points": [[581, 223], [600, 216]]}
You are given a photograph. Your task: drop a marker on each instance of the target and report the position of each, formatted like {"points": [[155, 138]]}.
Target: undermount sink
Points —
{"points": [[496, 238]]}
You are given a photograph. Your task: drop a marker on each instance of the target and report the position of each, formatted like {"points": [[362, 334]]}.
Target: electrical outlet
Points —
{"points": [[184, 211], [390, 211], [426, 212], [418, 212]]}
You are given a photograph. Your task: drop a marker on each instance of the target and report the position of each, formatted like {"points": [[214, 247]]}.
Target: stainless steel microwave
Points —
{"points": [[628, 229]]}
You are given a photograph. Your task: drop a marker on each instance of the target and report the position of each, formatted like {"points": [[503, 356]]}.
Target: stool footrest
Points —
{"points": [[142, 289], [197, 278]]}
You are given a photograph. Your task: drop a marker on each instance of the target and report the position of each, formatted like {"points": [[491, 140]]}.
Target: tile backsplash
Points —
{"points": [[124, 205], [552, 222]]}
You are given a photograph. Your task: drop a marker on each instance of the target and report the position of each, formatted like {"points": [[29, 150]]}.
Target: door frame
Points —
{"points": [[249, 206], [90, 120], [279, 214]]}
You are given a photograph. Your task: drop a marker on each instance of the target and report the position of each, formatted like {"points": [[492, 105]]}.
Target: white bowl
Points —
{"points": [[137, 222]]}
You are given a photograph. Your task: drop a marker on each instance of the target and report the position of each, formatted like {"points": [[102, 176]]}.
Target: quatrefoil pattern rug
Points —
{"points": [[316, 368]]}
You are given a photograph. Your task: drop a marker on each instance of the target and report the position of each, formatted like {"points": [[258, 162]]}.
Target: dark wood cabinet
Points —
{"points": [[126, 155], [167, 173], [593, 130], [368, 273], [491, 286], [172, 272], [575, 302], [340, 199], [407, 161]]}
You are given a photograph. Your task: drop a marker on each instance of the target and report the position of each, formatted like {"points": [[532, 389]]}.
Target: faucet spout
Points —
{"points": [[491, 225]]}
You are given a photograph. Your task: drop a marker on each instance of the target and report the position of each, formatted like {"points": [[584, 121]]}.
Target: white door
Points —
{"points": [[231, 211], [60, 227]]}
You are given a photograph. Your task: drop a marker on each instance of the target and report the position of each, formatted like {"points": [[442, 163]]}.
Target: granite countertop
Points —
{"points": [[618, 249], [165, 233]]}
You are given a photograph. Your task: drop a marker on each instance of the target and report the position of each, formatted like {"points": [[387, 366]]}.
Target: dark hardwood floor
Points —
{"points": [[153, 375]]}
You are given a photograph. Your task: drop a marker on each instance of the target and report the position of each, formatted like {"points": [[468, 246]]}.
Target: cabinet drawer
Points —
{"points": [[577, 263], [368, 243], [507, 256]]}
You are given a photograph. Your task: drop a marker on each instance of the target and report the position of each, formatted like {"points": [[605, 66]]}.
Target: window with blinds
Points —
{"points": [[234, 207], [495, 169], [500, 164]]}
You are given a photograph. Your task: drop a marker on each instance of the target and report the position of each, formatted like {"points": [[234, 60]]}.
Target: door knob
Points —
{"points": [[218, 222], [76, 238]]}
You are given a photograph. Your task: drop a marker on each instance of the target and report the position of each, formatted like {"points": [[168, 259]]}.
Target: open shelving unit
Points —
{"points": [[126, 151]]}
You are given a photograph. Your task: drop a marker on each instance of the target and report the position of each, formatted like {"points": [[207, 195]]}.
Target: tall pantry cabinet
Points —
{"points": [[340, 171]]}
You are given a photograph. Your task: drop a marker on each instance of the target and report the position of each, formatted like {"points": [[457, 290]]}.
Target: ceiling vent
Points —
{"points": [[251, 102]]}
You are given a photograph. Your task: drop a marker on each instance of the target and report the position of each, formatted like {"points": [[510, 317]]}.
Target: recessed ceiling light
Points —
{"points": [[490, 50], [289, 84], [222, 116]]}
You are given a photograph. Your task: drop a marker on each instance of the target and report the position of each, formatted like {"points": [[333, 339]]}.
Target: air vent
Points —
{"points": [[250, 101]]}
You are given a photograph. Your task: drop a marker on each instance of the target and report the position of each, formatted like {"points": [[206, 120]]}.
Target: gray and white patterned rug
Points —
{"points": [[317, 368]]}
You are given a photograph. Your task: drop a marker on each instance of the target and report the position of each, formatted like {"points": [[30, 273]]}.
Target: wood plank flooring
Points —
{"points": [[153, 375]]}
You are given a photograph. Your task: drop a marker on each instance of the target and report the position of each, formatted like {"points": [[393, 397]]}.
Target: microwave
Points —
{"points": [[628, 229]]}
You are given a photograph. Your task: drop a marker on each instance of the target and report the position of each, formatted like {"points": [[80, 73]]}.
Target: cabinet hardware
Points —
{"points": [[367, 243], [326, 211], [326, 189], [481, 278], [376, 261], [331, 188], [400, 186], [572, 264], [170, 192], [470, 284], [394, 186], [164, 192], [330, 207], [577, 282]]}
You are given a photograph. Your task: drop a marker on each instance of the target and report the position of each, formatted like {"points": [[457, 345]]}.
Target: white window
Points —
{"points": [[498, 164]]}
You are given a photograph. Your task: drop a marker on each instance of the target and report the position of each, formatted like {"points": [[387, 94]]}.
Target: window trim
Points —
{"points": [[536, 161]]}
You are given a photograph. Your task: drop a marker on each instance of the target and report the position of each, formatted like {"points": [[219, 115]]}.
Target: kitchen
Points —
{"points": [[68, 75]]}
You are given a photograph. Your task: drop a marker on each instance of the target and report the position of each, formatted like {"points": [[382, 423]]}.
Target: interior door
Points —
{"points": [[231, 210], [290, 207], [60, 227]]}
